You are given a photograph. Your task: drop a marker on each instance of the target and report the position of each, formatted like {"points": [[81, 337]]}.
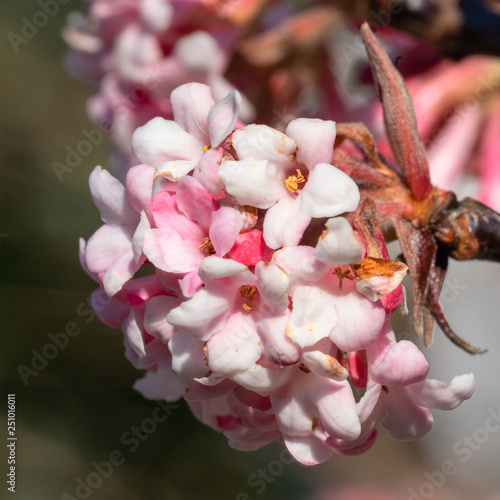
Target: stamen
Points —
{"points": [[207, 246], [294, 180], [206, 147], [342, 275], [304, 368], [248, 292]]}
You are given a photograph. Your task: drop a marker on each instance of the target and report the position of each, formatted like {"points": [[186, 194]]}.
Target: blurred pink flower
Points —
{"points": [[261, 331], [140, 51]]}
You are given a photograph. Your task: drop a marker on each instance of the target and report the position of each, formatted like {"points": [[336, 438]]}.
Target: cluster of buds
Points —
{"points": [[259, 297]]}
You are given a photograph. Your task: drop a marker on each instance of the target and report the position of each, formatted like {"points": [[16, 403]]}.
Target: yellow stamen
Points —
{"points": [[207, 246], [248, 292], [206, 147], [294, 180]]}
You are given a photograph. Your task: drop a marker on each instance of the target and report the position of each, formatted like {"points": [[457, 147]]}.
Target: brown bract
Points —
{"points": [[430, 224]]}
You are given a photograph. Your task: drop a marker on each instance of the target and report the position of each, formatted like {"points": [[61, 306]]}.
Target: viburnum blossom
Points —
{"points": [[286, 57], [262, 304], [139, 51]]}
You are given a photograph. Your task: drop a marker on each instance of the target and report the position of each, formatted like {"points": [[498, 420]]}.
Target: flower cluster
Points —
{"points": [[257, 302], [287, 60], [139, 51]]}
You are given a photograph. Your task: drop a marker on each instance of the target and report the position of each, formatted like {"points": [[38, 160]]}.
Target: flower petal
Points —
{"points": [[356, 447], [162, 384], [207, 170], [255, 183], [157, 14], [249, 439], [166, 214], [313, 316], [139, 184], [329, 192], [188, 357], [443, 396], [337, 245], [405, 420], [205, 313], [195, 201], [314, 138], [273, 286], [134, 334], [260, 379], [337, 407], [120, 271], [104, 245], [191, 104], [215, 267], [295, 413], [285, 223], [191, 283], [403, 364], [376, 278], [109, 311], [197, 52], [161, 141], [156, 352], [155, 316], [138, 236], [175, 169], [236, 347], [170, 252], [300, 265], [225, 226], [223, 116], [108, 195], [276, 346], [308, 450], [260, 142], [324, 365], [360, 320]]}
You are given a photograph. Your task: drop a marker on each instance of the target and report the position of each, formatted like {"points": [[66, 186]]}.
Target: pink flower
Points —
{"points": [[234, 320], [139, 52], [190, 225], [135, 310], [326, 303], [402, 370], [176, 147], [290, 175], [114, 253], [398, 392]]}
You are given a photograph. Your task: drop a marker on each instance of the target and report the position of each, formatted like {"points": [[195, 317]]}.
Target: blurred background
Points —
{"points": [[74, 410]]}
